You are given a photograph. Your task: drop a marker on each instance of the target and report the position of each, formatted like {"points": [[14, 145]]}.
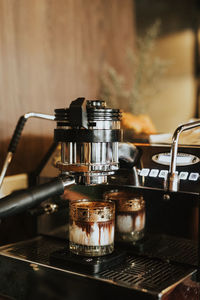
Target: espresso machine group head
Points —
{"points": [[89, 134]]}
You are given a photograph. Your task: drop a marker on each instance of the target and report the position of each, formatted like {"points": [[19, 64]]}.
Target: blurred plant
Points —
{"points": [[146, 71]]}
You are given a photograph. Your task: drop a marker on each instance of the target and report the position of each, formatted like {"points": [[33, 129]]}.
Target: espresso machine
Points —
{"points": [[91, 160]]}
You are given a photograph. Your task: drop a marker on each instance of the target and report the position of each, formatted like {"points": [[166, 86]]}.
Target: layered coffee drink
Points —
{"points": [[130, 215], [91, 227]]}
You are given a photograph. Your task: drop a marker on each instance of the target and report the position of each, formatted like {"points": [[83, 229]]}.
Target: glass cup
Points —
{"points": [[130, 215], [91, 227]]}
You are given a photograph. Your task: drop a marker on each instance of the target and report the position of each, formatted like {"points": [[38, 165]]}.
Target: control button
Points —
{"points": [[183, 175], [154, 173], [194, 176], [144, 172], [163, 174]]}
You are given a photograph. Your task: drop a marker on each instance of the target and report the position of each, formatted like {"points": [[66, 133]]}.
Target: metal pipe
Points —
{"points": [[5, 166], [16, 136], [39, 115], [172, 178]]}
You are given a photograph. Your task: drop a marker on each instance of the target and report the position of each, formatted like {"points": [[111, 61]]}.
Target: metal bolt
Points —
{"points": [[166, 197]]}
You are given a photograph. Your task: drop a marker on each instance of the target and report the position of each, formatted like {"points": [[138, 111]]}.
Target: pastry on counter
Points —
{"points": [[140, 124]]}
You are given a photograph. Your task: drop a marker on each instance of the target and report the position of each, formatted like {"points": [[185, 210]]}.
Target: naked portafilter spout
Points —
{"points": [[89, 133]]}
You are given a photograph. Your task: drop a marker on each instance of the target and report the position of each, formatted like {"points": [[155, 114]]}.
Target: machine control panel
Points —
{"points": [[155, 163], [163, 174]]}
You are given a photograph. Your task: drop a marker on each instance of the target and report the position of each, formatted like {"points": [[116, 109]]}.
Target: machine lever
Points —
{"points": [[20, 201]]}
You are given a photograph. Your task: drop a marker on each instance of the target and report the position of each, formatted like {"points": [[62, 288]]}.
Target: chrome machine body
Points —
{"points": [[89, 134]]}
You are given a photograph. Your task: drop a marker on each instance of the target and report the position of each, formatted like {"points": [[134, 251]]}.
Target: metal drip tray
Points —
{"points": [[142, 276], [167, 248], [144, 273]]}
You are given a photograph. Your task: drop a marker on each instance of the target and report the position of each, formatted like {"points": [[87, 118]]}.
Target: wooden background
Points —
{"points": [[52, 51]]}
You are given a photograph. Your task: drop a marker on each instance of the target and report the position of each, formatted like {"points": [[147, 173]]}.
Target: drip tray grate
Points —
{"points": [[145, 273], [140, 273], [168, 248]]}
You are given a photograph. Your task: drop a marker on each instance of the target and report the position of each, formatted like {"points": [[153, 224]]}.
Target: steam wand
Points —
{"points": [[172, 182], [16, 136]]}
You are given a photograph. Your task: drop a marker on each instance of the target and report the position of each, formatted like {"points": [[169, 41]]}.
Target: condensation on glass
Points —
{"points": [[130, 215], [91, 227]]}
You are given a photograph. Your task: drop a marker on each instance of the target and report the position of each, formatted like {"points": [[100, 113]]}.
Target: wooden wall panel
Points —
{"points": [[52, 51]]}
